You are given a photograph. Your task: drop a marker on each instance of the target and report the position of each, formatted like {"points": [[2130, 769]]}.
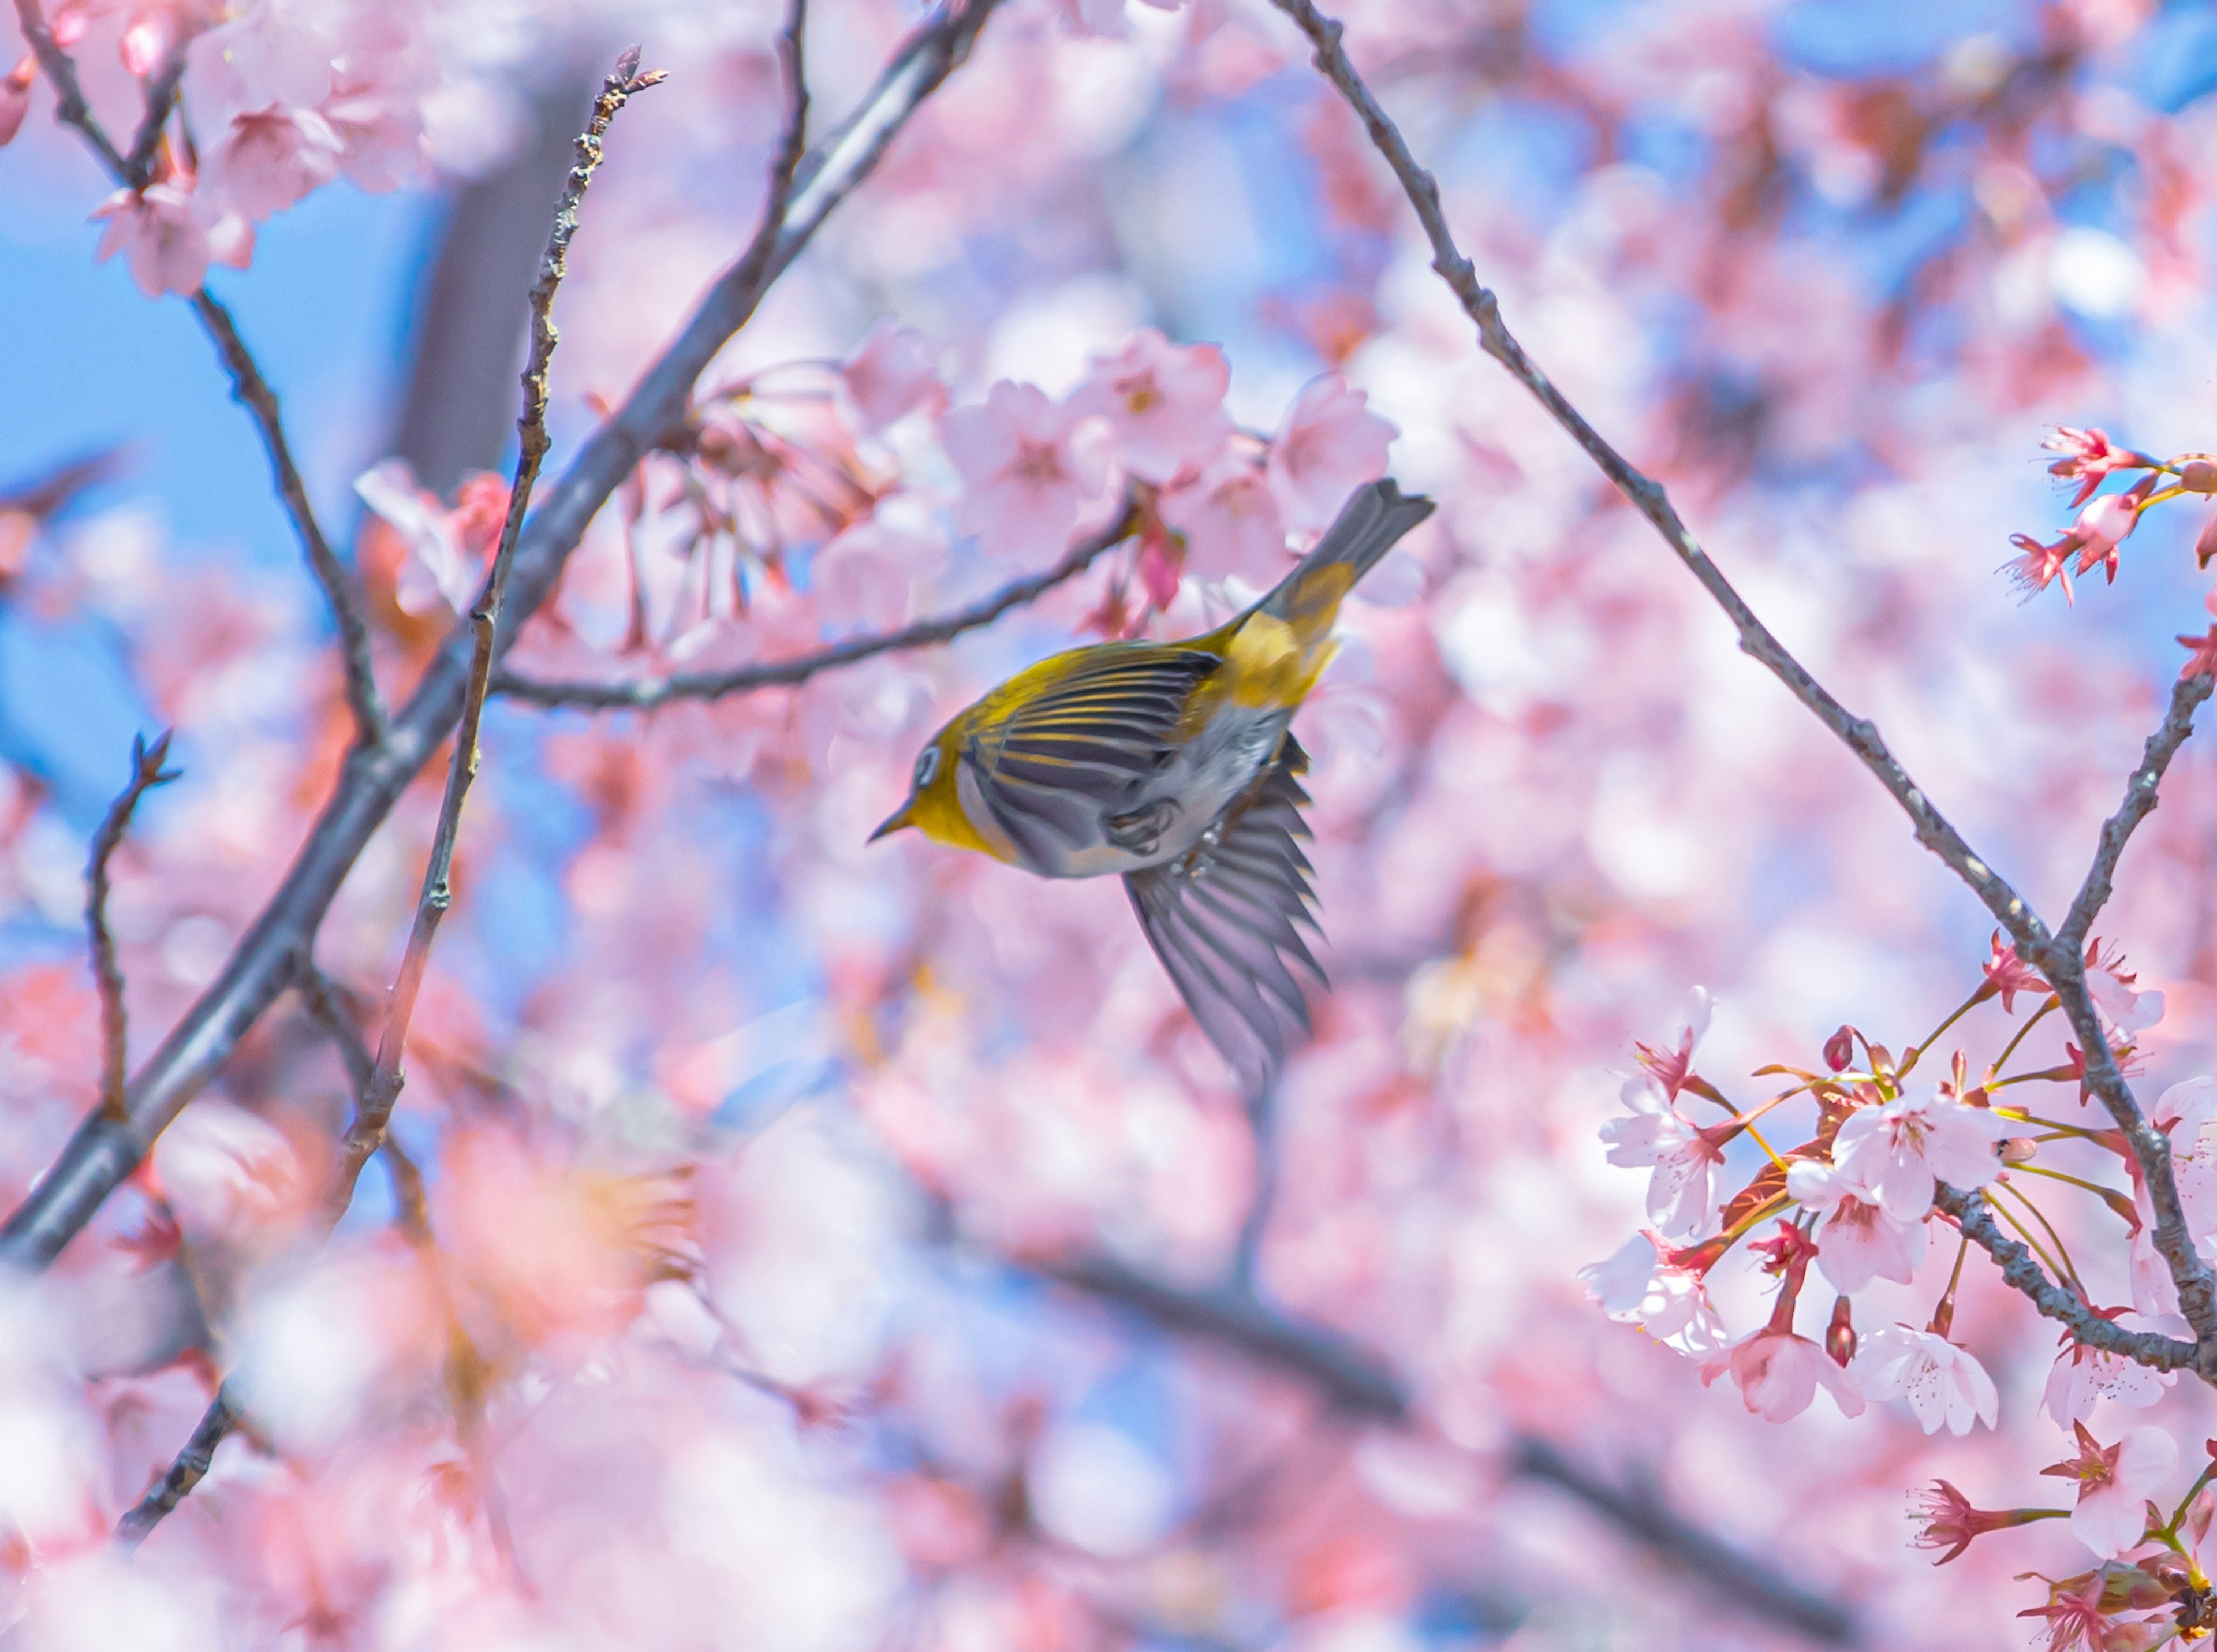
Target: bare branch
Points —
{"points": [[2197, 1290], [187, 1472], [2022, 1273], [103, 1153], [252, 392], [645, 694], [366, 1133], [247, 386], [332, 1008], [375, 1107], [2186, 697], [70, 107], [1355, 1381], [1643, 1513], [146, 773], [161, 98]]}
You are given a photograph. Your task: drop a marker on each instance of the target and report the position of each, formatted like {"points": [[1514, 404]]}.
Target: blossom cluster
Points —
{"points": [[825, 464], [1856, 1203], [271, 102]]}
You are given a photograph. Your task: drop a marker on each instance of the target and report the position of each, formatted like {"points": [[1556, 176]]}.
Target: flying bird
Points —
{"points": [[1174, 765]]}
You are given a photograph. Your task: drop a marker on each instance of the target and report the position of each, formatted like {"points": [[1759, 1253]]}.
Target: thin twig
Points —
{"points": [[251, 391], [249, 387], [366, 1133], [102, 1153], [645, 694], [187, 1472], [146, 773], [374, 1106], [2022, 1273], [161, 98], [71, 108], [2197, 1291], [331, 1007], [1355, 1381], [2186, 697]]}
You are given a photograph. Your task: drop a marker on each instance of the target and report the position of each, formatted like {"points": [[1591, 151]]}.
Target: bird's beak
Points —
{"points": [[895, 821]]}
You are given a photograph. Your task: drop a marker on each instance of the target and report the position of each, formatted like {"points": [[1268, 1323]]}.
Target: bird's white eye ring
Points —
{"points": [[927, 766]]}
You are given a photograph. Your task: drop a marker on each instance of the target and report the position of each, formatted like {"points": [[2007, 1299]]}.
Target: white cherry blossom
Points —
{"points": [[1857, 1241], [1679, 1199], [1942, 1383]]}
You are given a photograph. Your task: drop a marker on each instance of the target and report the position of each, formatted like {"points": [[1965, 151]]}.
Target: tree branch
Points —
{"points": [[248, 386], [252, 392], [146, 773], [71, 108], [645, 694], [103, 1153], [2186, 697], [2197, 1293], [366, 1133], [187, 1472], [375, 1107], [1355, 1381], [2024, 1274], [161, 98]]}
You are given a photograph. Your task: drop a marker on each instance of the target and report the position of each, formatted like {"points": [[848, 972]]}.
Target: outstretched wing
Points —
{"points": [[1226, 920], [1075, 746]]}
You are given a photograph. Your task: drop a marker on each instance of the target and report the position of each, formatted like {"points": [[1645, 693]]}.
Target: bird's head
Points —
{"points": [[934, 807]]}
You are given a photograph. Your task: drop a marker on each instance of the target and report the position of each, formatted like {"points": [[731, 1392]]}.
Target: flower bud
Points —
{"points": [[2018, 1149], [2198, 476], [2205, 543], [1840, 1050], [1840, 1334]]}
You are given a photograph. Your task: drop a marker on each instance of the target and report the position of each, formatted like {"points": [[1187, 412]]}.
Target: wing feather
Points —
{"points": [[1225, 922], [1077, 748]]}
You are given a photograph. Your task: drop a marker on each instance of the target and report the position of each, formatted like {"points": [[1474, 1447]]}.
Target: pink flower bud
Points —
{"points": [[15, 98], [1840, 1334]]}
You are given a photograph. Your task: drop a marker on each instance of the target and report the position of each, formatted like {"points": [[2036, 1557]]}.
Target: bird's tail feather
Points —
{"points": [[1369, 524]]}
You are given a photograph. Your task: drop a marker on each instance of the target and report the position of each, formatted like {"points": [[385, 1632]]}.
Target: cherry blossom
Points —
{"points": [[1028, 465], [2009, 975], [1947, 1521], [1165, 402], [2083, 1375], [1672, 1062], [2101, 527], [1944, 1385], [446, 548], [893, 371], [167, 236], [1329, 442], [1641, 1285], [1779, 1373], [1230, 520], [2114, 1482], [1857, 1240], [2040, 565], [1678, 1200], [2127, 1010], [1895, 1152], [2089, 457], [271, 157]]}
